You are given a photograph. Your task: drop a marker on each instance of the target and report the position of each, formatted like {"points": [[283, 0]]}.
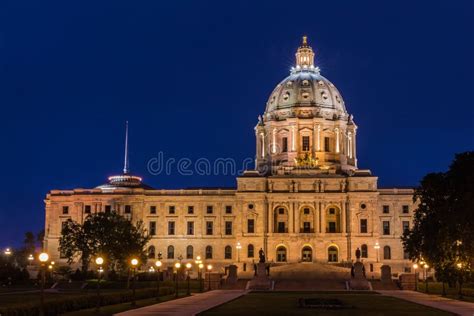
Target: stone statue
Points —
{"points": [[261, 255], [260, 120], [358, 254]]}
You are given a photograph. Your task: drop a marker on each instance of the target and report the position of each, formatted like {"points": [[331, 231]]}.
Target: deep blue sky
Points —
{"points": [[192, 77]]}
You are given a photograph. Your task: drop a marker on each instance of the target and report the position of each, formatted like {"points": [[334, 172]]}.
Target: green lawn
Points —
{"points": [[285, 303], [118, 308], [437, 288]]}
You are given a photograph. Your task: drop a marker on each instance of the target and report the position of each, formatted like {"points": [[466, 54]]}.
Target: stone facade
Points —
{"points": [[306, 200]]}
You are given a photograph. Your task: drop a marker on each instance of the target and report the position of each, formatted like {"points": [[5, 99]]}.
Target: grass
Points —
{"points": [[285, 303], [437, 288], [118, 308]]}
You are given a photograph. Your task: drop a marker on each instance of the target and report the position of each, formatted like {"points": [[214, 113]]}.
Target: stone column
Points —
{"points": [[343, 219], [323, 217], [318, 138], [336, 131], [293, 138], [262, 137], [291, 218], [274, 141]]}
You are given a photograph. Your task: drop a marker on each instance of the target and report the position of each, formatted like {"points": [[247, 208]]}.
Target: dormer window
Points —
{"points": [[305, 95], [324, 95], [289, 83], [305, 82], [321, 83], [286, 96]]}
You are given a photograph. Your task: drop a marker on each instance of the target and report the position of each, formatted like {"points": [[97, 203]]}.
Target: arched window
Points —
{"points": [[387, 253], [228, 252], [332, 254], [189, 252], [250, 251], [170, 252], [364, 253], [151, 252], [208, 252], [281, 254]]}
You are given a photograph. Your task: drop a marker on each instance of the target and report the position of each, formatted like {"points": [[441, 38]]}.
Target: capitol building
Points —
{"points": [[305, 201]]}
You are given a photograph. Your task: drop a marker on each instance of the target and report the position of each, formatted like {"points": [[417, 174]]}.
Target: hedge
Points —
{"points": [[74, 303]]}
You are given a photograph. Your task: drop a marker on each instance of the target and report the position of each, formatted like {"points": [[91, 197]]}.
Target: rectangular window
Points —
{"points": [[171, 209], [306, 211], [363, 226], [405, 226], [251, 226], [87, 209], [108, 208], [190, 228], [305, 140], [326, 144], [128, 209], [386, 227], [228, 228], [63, 225], [209, 228], [228, 209], [210, 209], [65, 210], [332, 211], [153, 209], [190, 209], [281, 227], [171, 228], [306, 227], [332, 227], [386, 209], [281, 211], [405, 209], [284, 144], [152, 228]]}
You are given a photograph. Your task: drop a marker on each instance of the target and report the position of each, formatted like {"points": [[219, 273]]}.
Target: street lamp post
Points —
{"points": [[158, 265], [99, 261], [377, 247], [200, 266], [177, 265], [134, 263], [460, 279], [43, 258], [188, 277], [209, 268], [415, 266], [425, 272], [239, 246]]}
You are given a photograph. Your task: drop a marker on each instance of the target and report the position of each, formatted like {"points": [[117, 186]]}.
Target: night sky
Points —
{"points": [[192, 77]]}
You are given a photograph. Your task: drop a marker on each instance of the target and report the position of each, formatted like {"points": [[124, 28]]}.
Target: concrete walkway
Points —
{"points": [[187, 306], [436, 301]]}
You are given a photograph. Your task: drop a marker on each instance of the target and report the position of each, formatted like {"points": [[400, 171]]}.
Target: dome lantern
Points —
{"points": [[304, 55]]}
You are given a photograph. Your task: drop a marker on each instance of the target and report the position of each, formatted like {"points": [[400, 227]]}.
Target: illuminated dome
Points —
{"points": [[305, 93]]}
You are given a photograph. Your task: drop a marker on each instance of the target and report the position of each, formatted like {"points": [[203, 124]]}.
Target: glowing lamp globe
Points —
{"points": [[158, 264], [99, 261], [134, 262], [43, 257], [177, 265], [188, 265]]}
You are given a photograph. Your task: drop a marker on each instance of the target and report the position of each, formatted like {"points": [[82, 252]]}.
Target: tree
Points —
{"points": [[443, 229], [107, 234]]}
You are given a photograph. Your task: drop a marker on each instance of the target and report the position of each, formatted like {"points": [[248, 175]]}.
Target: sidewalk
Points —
{"points": [[436, 301], [187, 306]]}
